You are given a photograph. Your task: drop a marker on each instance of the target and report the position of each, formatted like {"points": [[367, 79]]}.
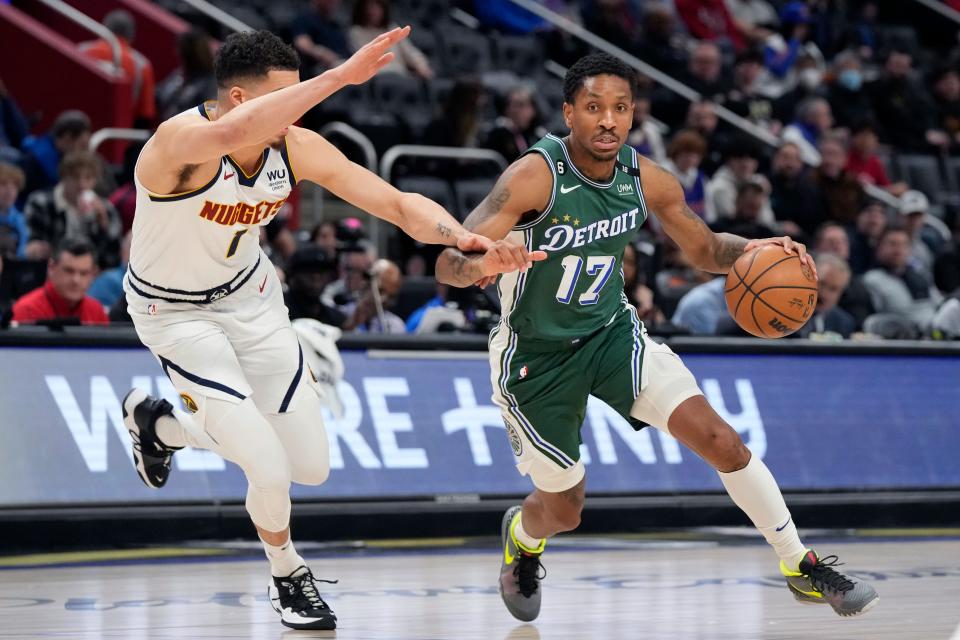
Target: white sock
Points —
{"points": [[284, 559], [525, 540], [755, 491]]}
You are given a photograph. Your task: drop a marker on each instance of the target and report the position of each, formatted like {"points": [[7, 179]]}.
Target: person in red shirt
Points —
{"points": [[710, 20], [864, 163], [136, 67], [64, 295]]}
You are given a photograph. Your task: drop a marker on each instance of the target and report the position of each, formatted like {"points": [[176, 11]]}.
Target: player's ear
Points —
{"points": [[568, 114], [237, 95]]}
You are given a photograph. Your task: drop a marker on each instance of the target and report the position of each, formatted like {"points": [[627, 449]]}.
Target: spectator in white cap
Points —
{"points": [[914, 209]]}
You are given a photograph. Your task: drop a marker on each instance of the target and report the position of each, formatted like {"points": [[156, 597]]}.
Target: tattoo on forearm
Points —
{"points": [[729, 248], [443, 230], [460, 267]]}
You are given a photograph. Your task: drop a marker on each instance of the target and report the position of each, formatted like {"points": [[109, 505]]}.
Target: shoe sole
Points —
{"points": [[322, 624], [862, 610], [134, 430]]}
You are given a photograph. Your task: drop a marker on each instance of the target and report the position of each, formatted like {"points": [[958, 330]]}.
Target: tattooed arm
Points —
{"points": [[523, 188], [709, 251]]}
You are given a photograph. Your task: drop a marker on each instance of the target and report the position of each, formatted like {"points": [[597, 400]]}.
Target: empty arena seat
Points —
{"points": [[470, 192], [465, 51], [522, 55], [404, 96]]}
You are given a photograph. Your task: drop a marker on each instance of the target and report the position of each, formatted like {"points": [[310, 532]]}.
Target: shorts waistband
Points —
{"points": [[156, 292]]}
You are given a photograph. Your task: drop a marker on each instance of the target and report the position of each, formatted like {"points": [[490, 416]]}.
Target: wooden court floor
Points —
{"points": [[595, 588]]}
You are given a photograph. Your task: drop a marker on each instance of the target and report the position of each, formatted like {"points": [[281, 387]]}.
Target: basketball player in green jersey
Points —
{"points": [[567, 332]]}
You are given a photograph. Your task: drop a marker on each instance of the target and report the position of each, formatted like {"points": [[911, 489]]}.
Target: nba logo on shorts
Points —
{"points": [[152, 309], [523, 372]]}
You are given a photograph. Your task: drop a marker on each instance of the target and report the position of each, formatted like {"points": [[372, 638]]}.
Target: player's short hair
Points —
{"points": [[74, 246], [596, 64], [252, 54], [76, 161], [12, 173]]}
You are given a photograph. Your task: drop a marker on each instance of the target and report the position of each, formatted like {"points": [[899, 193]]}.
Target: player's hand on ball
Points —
{"points": [[371, 57], [789, 246], [504, 256]]}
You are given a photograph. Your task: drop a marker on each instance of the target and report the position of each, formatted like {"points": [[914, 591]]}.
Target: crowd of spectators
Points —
{"points": [[843, 95]]}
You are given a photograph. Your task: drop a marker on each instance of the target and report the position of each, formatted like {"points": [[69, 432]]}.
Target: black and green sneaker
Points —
{"points": [[816, 582], [521, 571]]}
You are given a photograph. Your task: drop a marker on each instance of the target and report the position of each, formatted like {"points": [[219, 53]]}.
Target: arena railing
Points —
{"points": [[218, 15], [354, 136], [941, 8], [114, 133], [672, 83], [89, 24]]}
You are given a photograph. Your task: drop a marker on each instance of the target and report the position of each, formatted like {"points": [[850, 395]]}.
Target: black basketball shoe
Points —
{"points": [[298, 601], [152, 457]]}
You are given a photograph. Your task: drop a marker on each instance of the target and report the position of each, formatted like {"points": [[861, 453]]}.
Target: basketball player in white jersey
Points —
{"points": [[208, 303]]}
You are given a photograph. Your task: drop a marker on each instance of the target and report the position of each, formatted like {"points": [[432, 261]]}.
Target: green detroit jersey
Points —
{"points": [[578, 289]]}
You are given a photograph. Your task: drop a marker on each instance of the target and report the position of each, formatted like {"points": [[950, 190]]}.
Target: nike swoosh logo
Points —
{"points": [[778, 528], [812, 594], [264, 283], [506, 555], [565, 190], [227, 176]]}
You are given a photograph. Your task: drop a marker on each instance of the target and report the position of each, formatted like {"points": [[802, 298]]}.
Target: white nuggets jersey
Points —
{"points": [[201, 245]]}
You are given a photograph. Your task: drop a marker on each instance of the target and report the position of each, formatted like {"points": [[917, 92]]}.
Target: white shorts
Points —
{"points": [[239, 346]]}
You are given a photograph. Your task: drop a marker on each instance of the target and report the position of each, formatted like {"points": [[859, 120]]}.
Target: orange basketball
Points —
{"points": [[770, 293]]}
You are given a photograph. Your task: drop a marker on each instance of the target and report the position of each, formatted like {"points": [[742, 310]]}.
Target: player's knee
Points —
{"points": [[727, 452], [271, 480], [568, 518], [313, 474]]}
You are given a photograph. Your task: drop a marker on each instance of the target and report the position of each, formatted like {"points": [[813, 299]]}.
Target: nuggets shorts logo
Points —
{"points": [[189, 404], [515, 442]]}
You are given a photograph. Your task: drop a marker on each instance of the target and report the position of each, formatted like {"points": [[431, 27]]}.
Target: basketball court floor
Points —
{"points": [[643, 587]]}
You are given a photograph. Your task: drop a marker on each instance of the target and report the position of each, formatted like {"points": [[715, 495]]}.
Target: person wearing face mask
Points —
{"points": [[782, 51], [808, 84], [904, 107], [848, 98]]}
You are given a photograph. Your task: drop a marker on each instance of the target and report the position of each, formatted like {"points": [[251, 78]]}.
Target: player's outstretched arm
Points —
{"points": [[709, 251], [314, 158], [193, 141], [522, 189]]}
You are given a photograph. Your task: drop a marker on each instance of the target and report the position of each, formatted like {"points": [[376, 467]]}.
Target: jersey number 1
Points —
{"points": [[235, 242], [600, 266]]}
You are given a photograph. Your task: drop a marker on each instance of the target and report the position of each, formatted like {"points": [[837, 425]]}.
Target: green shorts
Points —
{"points": [[542, 390]]}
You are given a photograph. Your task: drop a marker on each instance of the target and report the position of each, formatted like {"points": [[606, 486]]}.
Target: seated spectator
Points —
{"points": [[371, 312], [946, 322], [709, 20], [63, 298], [914, 209], [864, 235], [806, 82], [107, 288], [753, 17], [745, 98], [72, 209], [310, 271], [781, 50], [896, 287], [635, 279], [372, 18], [13, 126], [946, 268], [136, 67], [813, 119], [42, 154], [849, 100], [645, 136], [324, 235], [676, 276], [684, 156], [843, 195], [518, 126], [741, 159], [661, 45], [192, 83], [124, 197], [904, 108], [703, 308], [614, 21], [864, 162], [318, 36], [702, 118], [13, 224], [794, 196], [751, 201], [828, 318], [862, 34], [946, 97], [459, 122], [705, 72], [832, 240], [355, 264]]}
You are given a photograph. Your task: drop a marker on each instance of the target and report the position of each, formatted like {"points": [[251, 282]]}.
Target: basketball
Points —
{"points": [[770, 293]]}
